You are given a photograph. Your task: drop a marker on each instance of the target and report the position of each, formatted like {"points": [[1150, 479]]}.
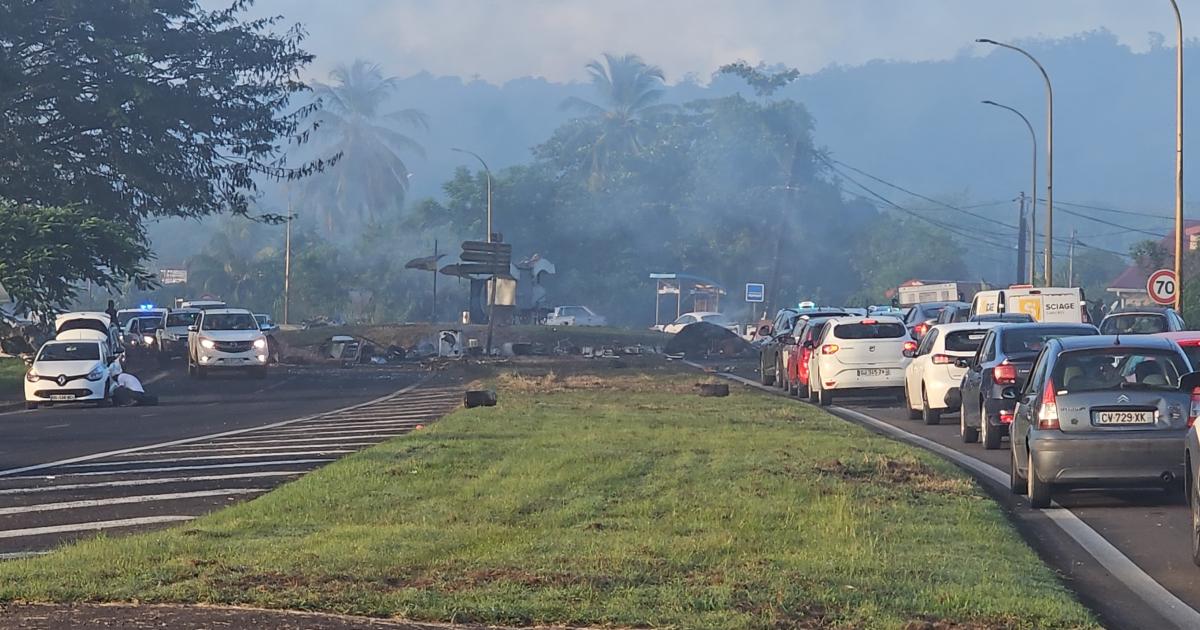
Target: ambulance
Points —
{"points": [[1044, 304]]}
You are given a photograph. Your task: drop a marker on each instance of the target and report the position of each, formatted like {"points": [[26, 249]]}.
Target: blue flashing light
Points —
{"points": [[146, 307]]}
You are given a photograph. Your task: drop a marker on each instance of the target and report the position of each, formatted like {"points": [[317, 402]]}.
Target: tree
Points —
{"points": [[47, 253], [372, 173], [629, 91]]}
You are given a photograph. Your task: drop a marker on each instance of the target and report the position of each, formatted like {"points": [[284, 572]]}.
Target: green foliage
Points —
{"points": [[47, 253], [764, 82]]}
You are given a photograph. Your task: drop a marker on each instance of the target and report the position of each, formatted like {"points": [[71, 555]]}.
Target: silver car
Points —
{"points": [[1101, 411]]}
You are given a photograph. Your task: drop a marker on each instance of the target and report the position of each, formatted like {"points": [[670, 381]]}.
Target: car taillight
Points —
{"points": [[943, 359], [921, 328], [829, 348], [1006, 417], [1194, 411], [1048, 414], [804, 355], [910, 346], [1005, 374]]}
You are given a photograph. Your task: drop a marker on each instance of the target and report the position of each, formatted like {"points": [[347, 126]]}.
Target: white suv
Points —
{"points": [[859, 353], [932, 380], [226, 338]]}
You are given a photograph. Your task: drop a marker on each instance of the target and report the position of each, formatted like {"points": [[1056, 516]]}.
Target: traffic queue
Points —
{"points": [[1080, 405], [86, 360]]}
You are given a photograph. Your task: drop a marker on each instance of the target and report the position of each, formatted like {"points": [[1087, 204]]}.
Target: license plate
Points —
{"points": [[62, 396], [874, 372], [1123, 417]]}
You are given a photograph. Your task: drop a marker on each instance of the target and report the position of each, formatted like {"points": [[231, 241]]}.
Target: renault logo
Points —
{"points": [[1122, 398], [61, 380], [870, 348]]}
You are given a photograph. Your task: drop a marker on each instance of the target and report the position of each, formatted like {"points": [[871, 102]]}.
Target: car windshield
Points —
{"points": [[69, 352], [1118, 368], [1134, 324], [181, 319], [964, 340], [228, 321], [146, 324], [123, 317], [1031, 340], [932, 312], [262, 319], [875, 330]]}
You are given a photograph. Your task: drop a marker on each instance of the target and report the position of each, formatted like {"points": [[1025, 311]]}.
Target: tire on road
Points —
{"points": [[1016, 483], [762, 374], [929, 415], [1039, 491], [1194, 499], [991, 435], [969, 435], [913, 414], [824, 397]]}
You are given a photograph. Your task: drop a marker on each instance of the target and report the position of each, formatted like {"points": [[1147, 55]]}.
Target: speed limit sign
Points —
{"points": [[1161, 287]]}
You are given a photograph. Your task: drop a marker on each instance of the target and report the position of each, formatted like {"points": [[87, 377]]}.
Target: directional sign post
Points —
{"points": [[487, 257], [756, 293], [1162, 286]]}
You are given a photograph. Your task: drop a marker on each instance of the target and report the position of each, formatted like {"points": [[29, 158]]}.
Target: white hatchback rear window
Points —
{"points": [[876, 330]]}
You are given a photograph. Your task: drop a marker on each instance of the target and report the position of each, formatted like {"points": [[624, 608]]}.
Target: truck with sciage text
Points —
{"points": [[1060, 305]]}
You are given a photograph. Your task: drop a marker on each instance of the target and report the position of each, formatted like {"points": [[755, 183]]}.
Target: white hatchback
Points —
{"points": [[933, 378], [71, 370], [859, 353]]}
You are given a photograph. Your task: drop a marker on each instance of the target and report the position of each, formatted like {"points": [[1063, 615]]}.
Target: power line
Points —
{"points": [[1112, 210], [1109, 223]]}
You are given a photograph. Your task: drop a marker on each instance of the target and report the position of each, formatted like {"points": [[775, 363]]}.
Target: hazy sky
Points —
{"points": [[498, 40]]}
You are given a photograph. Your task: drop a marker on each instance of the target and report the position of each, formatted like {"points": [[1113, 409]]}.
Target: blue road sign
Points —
{"points": [[755, 291]]}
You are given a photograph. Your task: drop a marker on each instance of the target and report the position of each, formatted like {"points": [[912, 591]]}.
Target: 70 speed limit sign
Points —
{"points": [[1162, 286]]}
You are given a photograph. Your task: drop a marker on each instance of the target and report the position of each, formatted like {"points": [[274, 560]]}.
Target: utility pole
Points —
{"points": [[1021, 242], [1071, 260], [433, 313], [1179, 248], [287, 257]]}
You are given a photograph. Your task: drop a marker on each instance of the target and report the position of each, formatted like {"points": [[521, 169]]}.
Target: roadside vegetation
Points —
{"points": [[408, 335], [12, 370], [601, 496]]}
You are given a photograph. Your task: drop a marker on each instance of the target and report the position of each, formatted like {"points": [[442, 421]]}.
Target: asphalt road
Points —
{"points": [[70, 471], [1148, 526]]}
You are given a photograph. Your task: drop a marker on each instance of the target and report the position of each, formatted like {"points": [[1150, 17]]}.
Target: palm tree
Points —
{"points": [[630, 91], [371, 174]]}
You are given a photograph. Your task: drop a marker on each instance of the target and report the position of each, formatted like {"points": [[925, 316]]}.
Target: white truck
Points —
{"points": [[1044, 304], [920, 293]]}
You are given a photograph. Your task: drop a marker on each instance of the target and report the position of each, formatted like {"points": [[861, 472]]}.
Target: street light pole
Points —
{"points": [[1178, 160], [1033, 201], [489, 188], [287, 258], [1049, 261]]}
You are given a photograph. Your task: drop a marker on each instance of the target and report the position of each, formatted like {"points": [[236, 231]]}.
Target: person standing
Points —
{"points": [[112, 312]]}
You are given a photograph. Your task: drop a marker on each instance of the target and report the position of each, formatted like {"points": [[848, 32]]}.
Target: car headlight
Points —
{"points": [[96, 374], [148, 339], [208, 344], [260, 343], [32, 376]]}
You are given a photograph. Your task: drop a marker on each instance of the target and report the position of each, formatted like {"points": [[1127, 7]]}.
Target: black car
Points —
{"points": [[922, 316], [768, 352], [954, 315], [1142, 321], [998, 371]]}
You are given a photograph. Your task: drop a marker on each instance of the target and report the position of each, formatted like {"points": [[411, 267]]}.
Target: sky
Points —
{"points": [[500, 40]]}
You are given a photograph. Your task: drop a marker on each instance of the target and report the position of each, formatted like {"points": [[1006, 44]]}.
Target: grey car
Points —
{"points": [[1101, 411]]}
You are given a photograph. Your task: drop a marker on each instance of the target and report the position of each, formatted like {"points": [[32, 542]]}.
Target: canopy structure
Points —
{"points": [[704, 293]]}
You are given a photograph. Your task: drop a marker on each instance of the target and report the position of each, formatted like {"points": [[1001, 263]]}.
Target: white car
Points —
{"points": [[933, 378], [86, 325], [225, 338], [173, 336], [858, 354], [69, 370], [574, 316], [701, 316]]}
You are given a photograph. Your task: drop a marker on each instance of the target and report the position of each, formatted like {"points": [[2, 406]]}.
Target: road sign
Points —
{"points": [[1161, 287], [755, 291], [486, 258]]}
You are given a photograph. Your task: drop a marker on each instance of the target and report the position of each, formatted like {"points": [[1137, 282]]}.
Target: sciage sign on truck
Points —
{"points": [[1046, 304]]}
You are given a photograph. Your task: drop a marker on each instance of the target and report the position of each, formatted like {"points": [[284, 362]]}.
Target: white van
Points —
{"points": [[1045, 304]]}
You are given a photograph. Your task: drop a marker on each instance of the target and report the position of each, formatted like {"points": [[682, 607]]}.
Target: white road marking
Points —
{"points": [[172, 460], [134, 471], [92, 526], [1118, 564], [334, 433], [298, 441], [350, 425], [202, 438], [146, 498], [149, 482], [281, 450]]}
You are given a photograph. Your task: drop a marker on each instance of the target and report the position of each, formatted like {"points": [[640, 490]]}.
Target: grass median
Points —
{"points": [[12, 371], [597, 496]]}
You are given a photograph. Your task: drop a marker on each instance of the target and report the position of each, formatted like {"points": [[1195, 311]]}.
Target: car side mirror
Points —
{"points": [[786, 340], [28, 361], [111, 359], [908, 354], [193, 328], [962, 362]]}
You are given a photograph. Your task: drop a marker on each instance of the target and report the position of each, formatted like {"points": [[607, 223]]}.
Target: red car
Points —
{"points": [[1189, 340]]}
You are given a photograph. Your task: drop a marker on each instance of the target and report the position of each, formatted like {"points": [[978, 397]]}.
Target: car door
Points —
{"points": [[916, 368], [973, 379], [1027, 404]]}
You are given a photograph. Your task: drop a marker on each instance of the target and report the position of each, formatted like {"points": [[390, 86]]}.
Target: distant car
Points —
{"points": [[856, 354], [574, 316], [202, 305], [71, 371], [1189, 341], [226, 338], [173, 336], [265, 323], [140, 334], [997, 373], [921, 316], [1100, 411], [773, 337], [1142, 321], [932, 379], [701, 316], [954, 315], [147, 310]]}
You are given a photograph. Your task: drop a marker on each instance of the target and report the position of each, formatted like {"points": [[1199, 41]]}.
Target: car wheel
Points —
{"points": [[780, 377], [928, 415], [31, 405], [913, 414], [969, 435], [1194, 499], [812, 393], [824, 397], [991, 436], [1016, 483], [1039, 491], [762, 374]]}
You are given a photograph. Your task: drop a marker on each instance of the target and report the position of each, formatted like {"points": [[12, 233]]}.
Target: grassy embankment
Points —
{"points": [[11, 372], [609, 497]]}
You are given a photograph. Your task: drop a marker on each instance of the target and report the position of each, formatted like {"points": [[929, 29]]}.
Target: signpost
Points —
{"points": [[756, 293], [1162, 287], [485, 257]]}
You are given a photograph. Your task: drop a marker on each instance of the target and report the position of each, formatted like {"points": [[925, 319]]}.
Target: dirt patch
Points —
{"points": [[906, 472], [138, 617]]}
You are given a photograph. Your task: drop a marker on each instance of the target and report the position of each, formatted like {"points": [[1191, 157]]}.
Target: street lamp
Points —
{"points": [[489, 188], [1178, 160], [1033, 202], [1049, 262]]}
